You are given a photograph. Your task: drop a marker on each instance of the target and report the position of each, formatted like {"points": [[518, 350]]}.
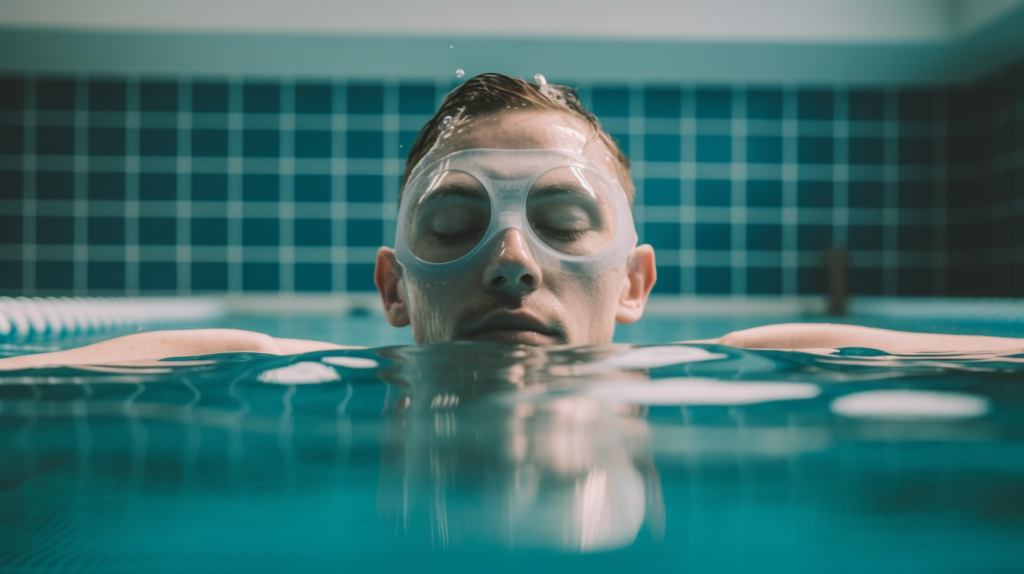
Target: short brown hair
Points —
{"points": [[494, 93]]}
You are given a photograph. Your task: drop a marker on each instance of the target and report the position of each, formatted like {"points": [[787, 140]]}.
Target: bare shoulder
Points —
{"points": [[826, 335]]}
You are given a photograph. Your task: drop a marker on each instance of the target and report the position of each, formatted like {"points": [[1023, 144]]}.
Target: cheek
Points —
{"points": [[432, 306]]}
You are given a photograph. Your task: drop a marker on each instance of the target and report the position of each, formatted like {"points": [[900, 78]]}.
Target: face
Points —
{"points": [[508, 297]]}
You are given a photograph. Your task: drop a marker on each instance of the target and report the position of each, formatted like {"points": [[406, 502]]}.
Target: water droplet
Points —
{"points": [[540, 80], [451, 47], [459, 73], [447, 120]]}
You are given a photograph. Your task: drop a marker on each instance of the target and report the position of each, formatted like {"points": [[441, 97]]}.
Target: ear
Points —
{"points": [[636, 286], [388, 279]]}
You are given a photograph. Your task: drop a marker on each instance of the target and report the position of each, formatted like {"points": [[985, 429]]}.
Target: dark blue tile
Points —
{"points": [[813, 237], [713, 235], [12, 140], [313, 232], [158, 275], [209, 97], [312, 143], [11, 184], [713, 280], [11, 230], [364, 233], [55, 274], [55, 185], [158, 142], [662, 192], [914, 237], [158, 186], [867, 150], [261, 187], [11, 275], [814, 105], [764, 104], [866, 281], [261, 143], [106, 230], [12, 94], [866, 105], [365, 98], [865, 237], [106, 275], [406, 139], [868, 194], [662, 147], [209, 276], [107, 95], [714, 103], [662, 235], [55, 94], [364, 188], [764, 149], [261, 277], [261, 98], [313, 277], [764, 193], [713, 192], [915, 151], [209, 187], [416, 99], [158, 230], [359, 277], [814, 149], [810, 281], [612, 102], [260, 231], [158, 96], [764, 280], [313, 98], [916, 105], [915, 194], [714, 149], [764, 237], [622, 141], [106, 141], [105, 185], [209, 231], [209, 143], [814, 193], [670, 280], [52, 140], [313, 187], [365, 144], [663, 103], [913, 282]]}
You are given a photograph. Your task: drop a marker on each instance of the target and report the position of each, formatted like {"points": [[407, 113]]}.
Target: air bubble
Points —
{"points": [[540, 80], [459, 73]]}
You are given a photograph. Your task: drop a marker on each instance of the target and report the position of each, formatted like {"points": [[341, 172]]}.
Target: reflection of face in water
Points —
{"points": [[474, 460]]}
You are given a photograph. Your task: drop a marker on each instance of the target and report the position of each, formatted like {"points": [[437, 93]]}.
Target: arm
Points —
{"points": [[821, 336], [163, 344]]}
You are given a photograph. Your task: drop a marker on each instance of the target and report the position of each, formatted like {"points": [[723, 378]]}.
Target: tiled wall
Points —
{"points": [[149, 185]]}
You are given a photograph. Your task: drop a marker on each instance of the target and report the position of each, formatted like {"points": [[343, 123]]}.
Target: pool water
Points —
{"points": [[472, 457]]}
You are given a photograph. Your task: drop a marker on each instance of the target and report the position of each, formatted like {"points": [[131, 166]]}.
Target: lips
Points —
{"points": [[512, 327]]}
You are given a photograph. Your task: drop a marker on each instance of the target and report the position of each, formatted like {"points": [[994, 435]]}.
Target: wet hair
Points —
{"points": [[489, 94]]}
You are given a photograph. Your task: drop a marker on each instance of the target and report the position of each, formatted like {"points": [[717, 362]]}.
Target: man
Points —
{"points": [[514, 226]]}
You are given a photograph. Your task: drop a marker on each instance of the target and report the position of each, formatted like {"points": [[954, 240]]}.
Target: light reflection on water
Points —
{"points": [[475, 455]]}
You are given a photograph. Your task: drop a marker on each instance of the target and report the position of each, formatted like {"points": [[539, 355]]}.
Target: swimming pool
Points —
{"points": [[460, 457]]}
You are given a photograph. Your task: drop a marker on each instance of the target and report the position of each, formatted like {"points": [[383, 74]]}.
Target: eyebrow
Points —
{"points": [[551, 190], [454, 190]]}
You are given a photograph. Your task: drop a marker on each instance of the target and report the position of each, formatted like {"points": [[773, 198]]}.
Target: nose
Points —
{"points": [[512, 269]]}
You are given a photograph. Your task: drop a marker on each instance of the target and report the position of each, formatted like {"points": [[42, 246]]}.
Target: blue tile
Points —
{"points": [[158, 275], [764, 193], [663, 103], [365, 144], [915, 150], [364, 188], [158, 142], [866, 281], [662, 147], [209, 276], [866, 105], [209, 97], [158, 230], [916, 105], [313, 232], [209, 143], [914, 237], [714, 103], [158, 186], [810, 281], [313, 277], [12, 94], [662, 191], [12, 140], [109, 96], [714, 149], [313, 98], [814, 105], [261, 187], [261, 98], [764, 149], [813, 237], [713, 235], [622, 141], [764, 104], [670, 280], [55, 185], [261, 143], [662, 235], [11, 275], [105, 185], [406, 139], [55, 140], [106, 141], [209, 231], [365, 98], [359, 277], [866, 150], [764, 280], [713, 192], [55, 274], [209, 187], [260, 231], [764, 237], [11, 184], [611, 102], [814, 149], [713, 280], [11, 230], [106, 274], [55, 94], [261, 277], [106, 230], [913, 282], [312, 187], [312, 143], [158, 96], [416, 99], [915, 194], [364, 233], [866, 194], [814, 193]]}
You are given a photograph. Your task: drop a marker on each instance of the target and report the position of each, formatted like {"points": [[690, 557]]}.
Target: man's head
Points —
{"points": [[508, 294]]}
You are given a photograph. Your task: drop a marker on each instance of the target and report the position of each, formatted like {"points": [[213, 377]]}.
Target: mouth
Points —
{"points": [[512, 327]]}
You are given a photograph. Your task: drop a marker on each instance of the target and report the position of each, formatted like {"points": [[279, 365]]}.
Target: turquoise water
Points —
{"points": [[471, 457]]}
